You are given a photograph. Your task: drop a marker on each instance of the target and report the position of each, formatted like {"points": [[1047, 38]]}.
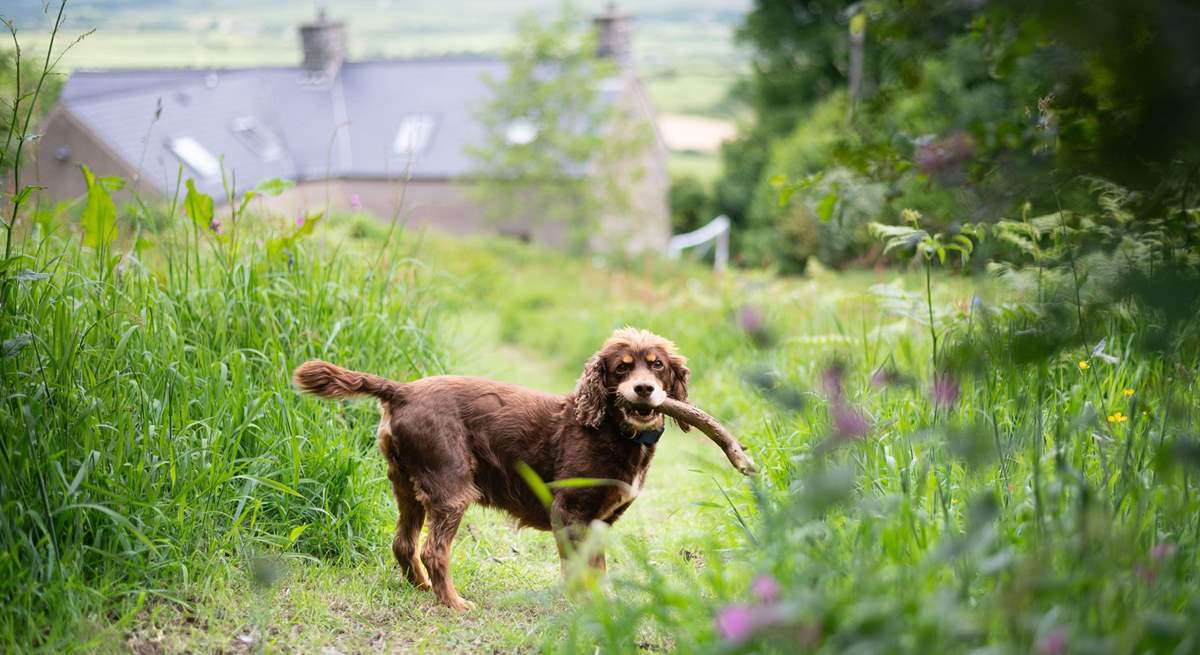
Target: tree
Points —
{"points": [[555, 148]]}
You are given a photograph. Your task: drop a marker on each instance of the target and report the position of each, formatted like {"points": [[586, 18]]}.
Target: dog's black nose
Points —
{"points": [[643, 389]]}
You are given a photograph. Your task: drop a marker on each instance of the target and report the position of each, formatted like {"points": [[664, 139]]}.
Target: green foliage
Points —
{"points": [[690, 204], [971, 110]]}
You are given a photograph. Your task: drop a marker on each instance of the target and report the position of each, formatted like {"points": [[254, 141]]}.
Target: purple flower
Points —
{"points": [[848, 422], [300, 219], [750, 319], [1163, 550], [1053, 643], [736, 623], [831, 379], [944, 391], [215, 225], [765, 588], [355, 202]]}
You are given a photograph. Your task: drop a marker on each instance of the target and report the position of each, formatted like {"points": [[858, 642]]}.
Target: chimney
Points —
{"points": [[614, 35], [324, 44]]}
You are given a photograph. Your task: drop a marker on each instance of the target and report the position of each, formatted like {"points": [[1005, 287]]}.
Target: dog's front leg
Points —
{"points": [[570, 519]]}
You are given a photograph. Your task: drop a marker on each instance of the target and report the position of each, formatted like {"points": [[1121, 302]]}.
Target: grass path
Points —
{"points": [[512, 575]]}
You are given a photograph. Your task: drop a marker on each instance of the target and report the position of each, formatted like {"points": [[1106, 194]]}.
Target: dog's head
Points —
{"points": [[631, 375]]}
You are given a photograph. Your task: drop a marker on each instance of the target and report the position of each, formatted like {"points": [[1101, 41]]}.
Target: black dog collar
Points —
{"points": [[649, 437]]}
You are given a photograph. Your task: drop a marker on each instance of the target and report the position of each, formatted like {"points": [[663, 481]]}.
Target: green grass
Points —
{"points": [[705, 167], [162, 485]]}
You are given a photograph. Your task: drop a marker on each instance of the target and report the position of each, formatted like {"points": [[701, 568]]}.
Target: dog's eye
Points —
{"points": [[622, 369], [656, 364]]}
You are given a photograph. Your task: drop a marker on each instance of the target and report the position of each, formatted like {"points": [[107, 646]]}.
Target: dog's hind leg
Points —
{"points": [[408, 526], [443, 525]]}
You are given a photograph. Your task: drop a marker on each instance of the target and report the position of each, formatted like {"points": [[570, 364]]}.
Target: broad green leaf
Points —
{"points": [[535, 483], [785, 194], [276, 246], [273, 186], [296, 532], [826, 205], [25, 192], [583, 483], [99, 218], [310, 222], [199, 206]]}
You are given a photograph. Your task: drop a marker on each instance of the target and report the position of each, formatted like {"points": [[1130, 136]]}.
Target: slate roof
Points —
{"points": [[369, 100]]}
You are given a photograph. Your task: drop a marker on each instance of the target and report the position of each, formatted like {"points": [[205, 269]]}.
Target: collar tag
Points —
{"points": [[649, 437]]}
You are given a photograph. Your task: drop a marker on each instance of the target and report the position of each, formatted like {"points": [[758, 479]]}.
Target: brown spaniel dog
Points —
{"points": [[451, 441]]}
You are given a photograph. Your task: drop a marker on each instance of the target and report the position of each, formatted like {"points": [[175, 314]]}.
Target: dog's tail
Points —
{"points": [[329, 381]]}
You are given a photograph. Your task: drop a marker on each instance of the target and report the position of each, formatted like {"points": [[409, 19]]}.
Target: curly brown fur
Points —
{"points": [[451, 441]]}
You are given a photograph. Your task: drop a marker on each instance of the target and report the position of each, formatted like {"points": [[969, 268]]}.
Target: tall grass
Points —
{"points": [[151, 441]]}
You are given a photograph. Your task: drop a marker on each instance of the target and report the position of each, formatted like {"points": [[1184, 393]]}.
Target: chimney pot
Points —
{"points": [[614, 35], [324, 45]]}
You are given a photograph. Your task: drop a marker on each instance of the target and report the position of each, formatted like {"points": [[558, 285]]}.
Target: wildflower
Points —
{"points": [[1117, 417], [355, 202], [848, 422], [1128, 392], [1145, 573], [1084, 365], [215, 226], [831, 379], [944, 391], [910, 216], [752, 321], [1053, 643], [1163, 550], [737, 623], [765, 588], [300, 219]]}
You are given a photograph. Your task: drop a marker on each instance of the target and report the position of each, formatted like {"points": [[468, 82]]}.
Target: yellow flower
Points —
{"points": [[1084, 365], [1128, 392], [1117, 417]]}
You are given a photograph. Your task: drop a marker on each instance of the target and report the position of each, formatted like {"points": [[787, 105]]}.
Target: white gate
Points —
{"points": [[717, 231]]}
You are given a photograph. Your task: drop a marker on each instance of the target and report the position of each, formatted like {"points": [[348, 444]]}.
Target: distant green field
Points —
{"points": [[684, 48]]}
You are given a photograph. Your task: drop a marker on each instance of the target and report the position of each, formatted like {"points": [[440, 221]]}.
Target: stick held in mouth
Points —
{"points": [[697, 418]]}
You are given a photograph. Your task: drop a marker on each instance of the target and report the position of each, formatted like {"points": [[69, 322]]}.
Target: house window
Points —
{"points": [[256, 137], [412, 137], [196, 157]]}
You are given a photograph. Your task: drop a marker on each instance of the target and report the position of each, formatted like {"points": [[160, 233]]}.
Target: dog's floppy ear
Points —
{"points": [[679, 383], [591, 396]]}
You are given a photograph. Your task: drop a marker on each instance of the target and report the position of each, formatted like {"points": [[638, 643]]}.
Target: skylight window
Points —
{"points": [[196, 157], [412, 137], [257, 138]]}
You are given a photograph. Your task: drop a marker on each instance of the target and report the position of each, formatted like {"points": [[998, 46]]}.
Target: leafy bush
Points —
{"points": [[690, 204]]}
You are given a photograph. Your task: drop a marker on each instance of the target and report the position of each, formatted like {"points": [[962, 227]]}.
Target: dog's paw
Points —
{"points": [[460, 604]]}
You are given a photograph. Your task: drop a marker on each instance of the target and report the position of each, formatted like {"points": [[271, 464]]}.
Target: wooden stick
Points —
{"points": [[697, 418]]}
